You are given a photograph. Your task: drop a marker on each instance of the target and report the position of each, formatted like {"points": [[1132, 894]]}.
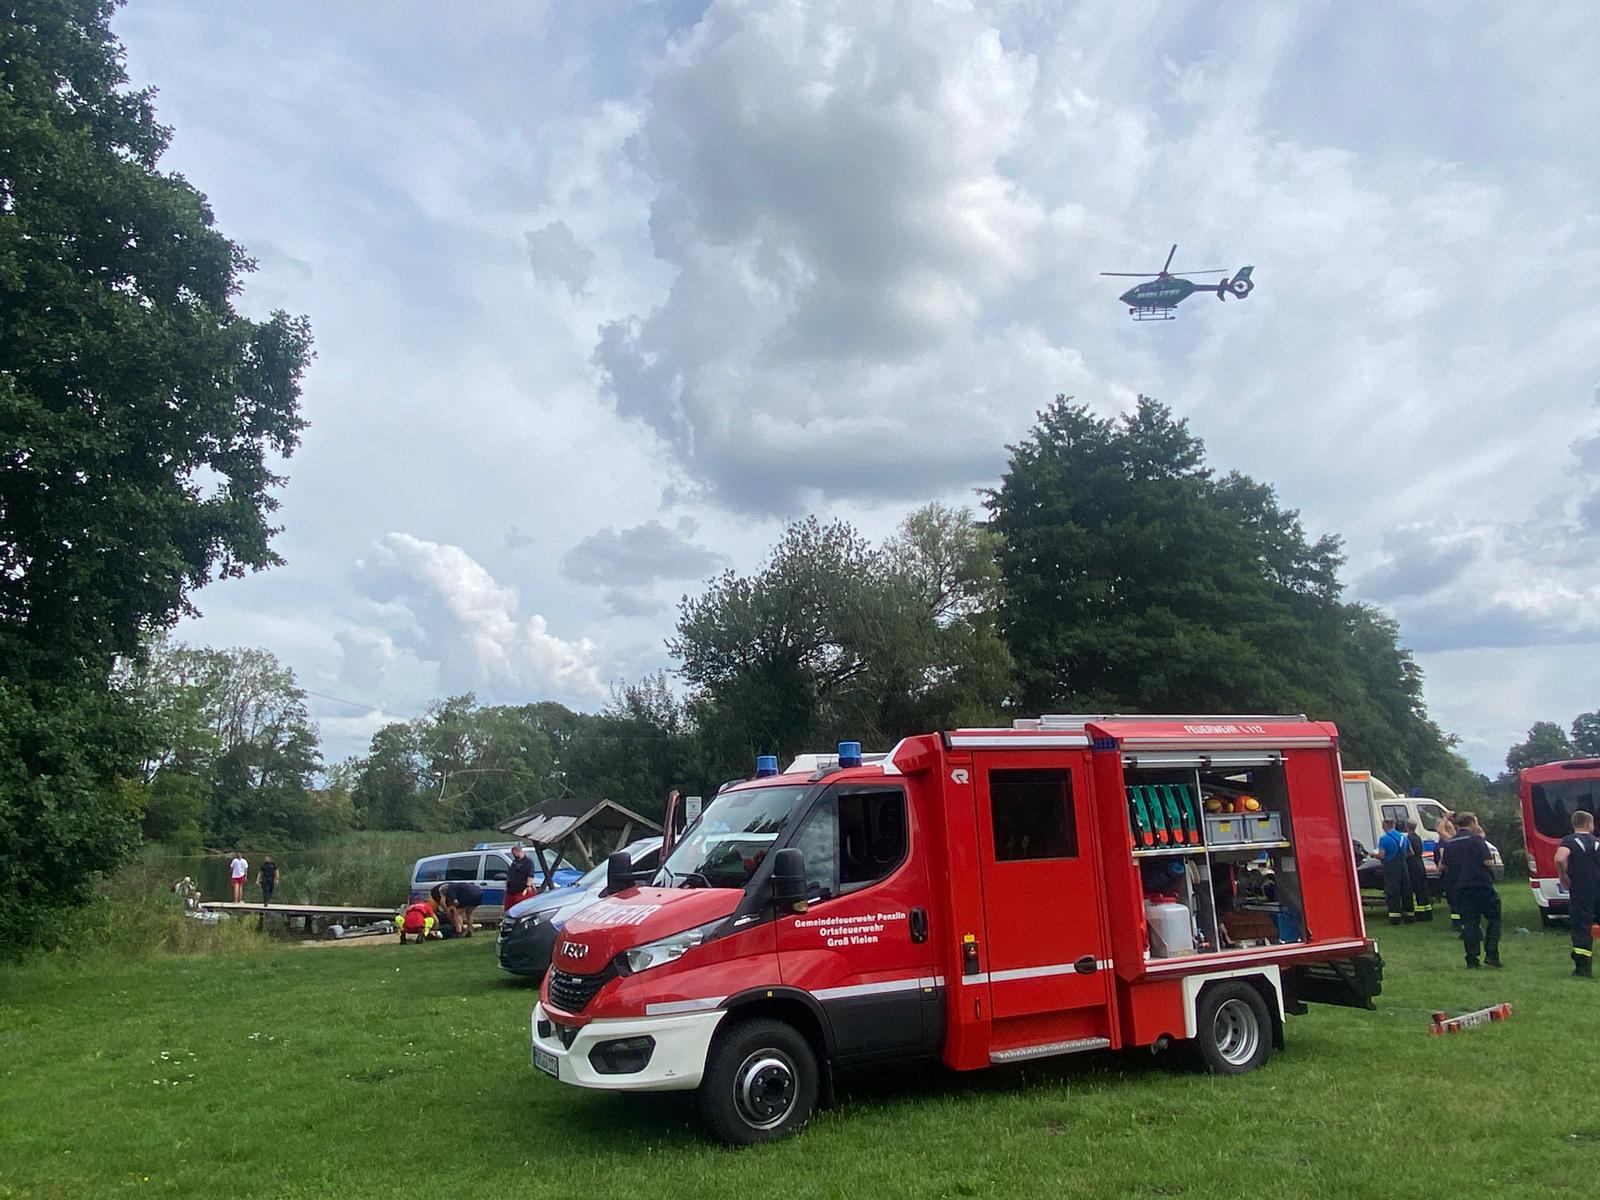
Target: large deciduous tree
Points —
{"points": [[1135, 579], [1546, 742], [140, 419], [1586, 735], [835, 638]]}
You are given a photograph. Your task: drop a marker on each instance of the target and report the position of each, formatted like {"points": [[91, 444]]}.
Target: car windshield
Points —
{"points": [[724, 847]]}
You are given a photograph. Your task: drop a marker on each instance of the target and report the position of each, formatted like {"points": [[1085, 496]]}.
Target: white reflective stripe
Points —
{"points": [[682, 1006], [910, 984], [961, 741], [874, 989], [1071, 968]]}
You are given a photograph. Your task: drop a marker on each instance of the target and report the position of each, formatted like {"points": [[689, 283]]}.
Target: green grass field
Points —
{"points": [[382, 1071]]}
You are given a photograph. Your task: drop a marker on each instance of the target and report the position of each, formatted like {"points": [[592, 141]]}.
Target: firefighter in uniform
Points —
{"points": [[1392, 852], [1578, 863], [1444, 831], [1422, 903], [1469, 860]]}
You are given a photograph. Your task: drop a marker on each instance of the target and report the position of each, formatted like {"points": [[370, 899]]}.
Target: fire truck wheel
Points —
{"points": [[1233, 1030], [760, 1083]]}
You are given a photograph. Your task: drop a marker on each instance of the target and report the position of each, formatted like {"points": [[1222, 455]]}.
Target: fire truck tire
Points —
{"points": [[1233, 1030], [760, 1084]]}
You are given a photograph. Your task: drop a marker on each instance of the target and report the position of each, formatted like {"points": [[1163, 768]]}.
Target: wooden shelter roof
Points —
{"points": [[590, 823]]}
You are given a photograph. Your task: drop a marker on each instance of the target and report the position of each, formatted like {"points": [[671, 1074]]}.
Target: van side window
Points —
{"points": [[462, 866], [1428, 816], [650, 862], [872, 836], [1396, 813], [430, 870], [1031, 814], [495, 868]]}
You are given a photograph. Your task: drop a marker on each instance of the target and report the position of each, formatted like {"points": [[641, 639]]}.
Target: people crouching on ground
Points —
{"points": [[461, 900], [420, 920]]}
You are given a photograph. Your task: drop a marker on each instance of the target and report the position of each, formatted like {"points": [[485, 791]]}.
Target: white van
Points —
{"points": [[484, 865], [1369, 801]]}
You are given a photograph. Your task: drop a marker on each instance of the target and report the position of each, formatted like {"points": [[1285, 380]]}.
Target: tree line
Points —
{"points": [[1112, 571]]}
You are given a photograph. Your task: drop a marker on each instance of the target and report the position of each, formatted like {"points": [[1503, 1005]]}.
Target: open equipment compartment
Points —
{"points": [[1212, 837]]}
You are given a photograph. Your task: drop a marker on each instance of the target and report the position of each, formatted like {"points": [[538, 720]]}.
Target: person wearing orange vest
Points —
{"points": [[418, 921]]}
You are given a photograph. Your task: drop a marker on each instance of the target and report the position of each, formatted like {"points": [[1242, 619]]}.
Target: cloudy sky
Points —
{"points": [[604, 292]]}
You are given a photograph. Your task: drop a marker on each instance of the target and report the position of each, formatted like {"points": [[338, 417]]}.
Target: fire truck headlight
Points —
{"points": [[665, 950]]}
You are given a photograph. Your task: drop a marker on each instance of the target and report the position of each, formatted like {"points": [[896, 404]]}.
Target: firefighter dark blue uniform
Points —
{"points": [[1422, 903], [1397, 892], [1467, 857], [1583, 889]]}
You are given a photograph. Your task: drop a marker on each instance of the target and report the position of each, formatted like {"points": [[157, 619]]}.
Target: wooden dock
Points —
{"points": [[310, 913]]}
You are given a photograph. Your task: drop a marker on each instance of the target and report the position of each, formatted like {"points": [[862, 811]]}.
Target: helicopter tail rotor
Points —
{"points": [[1240, 285]]}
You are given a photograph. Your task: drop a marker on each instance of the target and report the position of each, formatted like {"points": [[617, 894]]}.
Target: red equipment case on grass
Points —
{"points": [[984, 896]]}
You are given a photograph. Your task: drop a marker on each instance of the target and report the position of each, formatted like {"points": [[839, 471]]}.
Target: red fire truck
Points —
{"points": [[1550, 795], [983, 896]]}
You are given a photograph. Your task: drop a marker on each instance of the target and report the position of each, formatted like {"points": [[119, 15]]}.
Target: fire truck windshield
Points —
{"points": [[725, 846]]}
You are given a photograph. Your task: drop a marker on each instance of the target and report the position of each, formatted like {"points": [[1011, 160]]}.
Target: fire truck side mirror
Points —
{"points": [[789, 879], [619, 873]]}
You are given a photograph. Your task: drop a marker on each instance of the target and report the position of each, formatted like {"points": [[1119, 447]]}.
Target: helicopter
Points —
{"points": [[1155, 301]]}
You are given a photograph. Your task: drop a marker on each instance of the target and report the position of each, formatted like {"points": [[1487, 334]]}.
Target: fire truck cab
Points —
{"points": [[984, 896]]}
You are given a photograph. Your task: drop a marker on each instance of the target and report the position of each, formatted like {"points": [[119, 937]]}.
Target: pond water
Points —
{"points": [[210, 871]]}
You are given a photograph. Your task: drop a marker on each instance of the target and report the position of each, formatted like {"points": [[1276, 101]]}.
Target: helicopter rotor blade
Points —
{"points": [[1170, 253], [1131, 274], [1181, 274]]}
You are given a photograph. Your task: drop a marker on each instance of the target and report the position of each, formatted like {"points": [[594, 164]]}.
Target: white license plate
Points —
{"points": [[546, 1062]]}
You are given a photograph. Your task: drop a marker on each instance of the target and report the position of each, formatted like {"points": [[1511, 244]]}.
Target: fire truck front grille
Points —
{"points": [[572, 993]]}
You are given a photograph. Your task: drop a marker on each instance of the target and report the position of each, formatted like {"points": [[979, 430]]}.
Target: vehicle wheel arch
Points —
{"points": [[1267, 981], [795, 1007]]}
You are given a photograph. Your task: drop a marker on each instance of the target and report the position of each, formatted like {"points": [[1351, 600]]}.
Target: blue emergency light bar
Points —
{"points": [[849, 754], [766, 765]]}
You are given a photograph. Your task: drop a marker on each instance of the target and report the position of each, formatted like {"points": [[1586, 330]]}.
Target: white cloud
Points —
{"points": [[472, 626], [832, 199]]}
